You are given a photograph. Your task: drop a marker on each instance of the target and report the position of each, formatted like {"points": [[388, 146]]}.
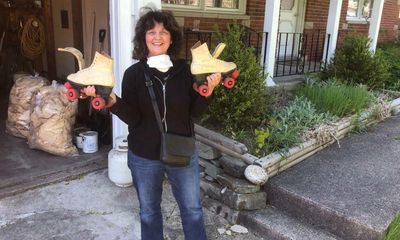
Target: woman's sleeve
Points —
{"points": [[126, 106], [199, 104]]}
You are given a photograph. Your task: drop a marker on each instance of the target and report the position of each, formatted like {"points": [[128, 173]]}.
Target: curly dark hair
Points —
{"points": [[147, 22]]}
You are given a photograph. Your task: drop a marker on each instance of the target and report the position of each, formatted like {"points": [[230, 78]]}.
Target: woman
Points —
{"points": [[157, 43]]}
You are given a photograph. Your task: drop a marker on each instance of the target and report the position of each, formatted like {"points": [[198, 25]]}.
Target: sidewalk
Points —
{"points": [[91, 207]]}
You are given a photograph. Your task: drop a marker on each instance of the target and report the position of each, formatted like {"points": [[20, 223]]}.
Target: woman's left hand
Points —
{"points": [[213, 80]]}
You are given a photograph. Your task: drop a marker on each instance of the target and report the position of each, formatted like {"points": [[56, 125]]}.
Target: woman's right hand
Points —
{"points": [[90, 91]]}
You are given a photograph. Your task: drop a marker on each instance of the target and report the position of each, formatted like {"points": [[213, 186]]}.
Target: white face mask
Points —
{"points": [[161, 62]]}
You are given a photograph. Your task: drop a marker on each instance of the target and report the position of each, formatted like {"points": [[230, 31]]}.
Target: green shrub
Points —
{"points": [[337, 98], [245, 105], [391, 52], [354, 63]]}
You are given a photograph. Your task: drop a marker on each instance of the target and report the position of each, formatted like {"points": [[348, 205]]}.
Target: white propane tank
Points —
{"points": [[118, 170]]}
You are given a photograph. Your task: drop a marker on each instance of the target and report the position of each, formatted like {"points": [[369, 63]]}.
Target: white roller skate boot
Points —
{"points": [[99, 74], [203, 63]]}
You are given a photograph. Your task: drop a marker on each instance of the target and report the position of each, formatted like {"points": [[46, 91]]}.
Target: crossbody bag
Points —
{"points": [[175, 150]]}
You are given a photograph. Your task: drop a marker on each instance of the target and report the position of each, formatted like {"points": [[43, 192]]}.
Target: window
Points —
{"points": [[218, 6], [359, 9]]}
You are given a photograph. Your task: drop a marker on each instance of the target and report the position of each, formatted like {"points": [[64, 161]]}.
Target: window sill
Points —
{"points": [[197, 14], [357, 20]]}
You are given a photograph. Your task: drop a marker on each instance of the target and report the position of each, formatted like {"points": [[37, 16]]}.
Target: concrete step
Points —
{"points": [[273, 224], [351, 190], [319, 215], [289, 83]]}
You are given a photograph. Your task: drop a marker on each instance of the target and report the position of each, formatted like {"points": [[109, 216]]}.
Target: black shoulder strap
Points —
{"points": [[149, 85]]}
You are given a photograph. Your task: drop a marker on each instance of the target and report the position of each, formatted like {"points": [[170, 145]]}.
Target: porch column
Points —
{"points": [[375, 23], [332, 28], [271, 22], [123, 17]]}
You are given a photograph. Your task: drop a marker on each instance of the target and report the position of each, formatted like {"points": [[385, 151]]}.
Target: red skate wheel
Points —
{"points": [[235, 74], [203, 90], [98, 103], [229, 82], [195, 87], [67, 85], [71, 94]]}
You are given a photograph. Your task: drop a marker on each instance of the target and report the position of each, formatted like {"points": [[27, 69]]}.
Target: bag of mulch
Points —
{"points": [[52, 120], [19, 107]]}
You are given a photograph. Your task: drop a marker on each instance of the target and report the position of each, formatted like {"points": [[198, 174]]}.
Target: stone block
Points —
{"points": [[216, 163], [238, 201], [233, 166], [220, 209], [210, 169], [237, 185], [207, 152], [210, 189]]}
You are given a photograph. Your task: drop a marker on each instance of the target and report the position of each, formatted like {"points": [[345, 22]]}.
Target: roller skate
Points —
{"points": [[99, 74], [203, 64]]}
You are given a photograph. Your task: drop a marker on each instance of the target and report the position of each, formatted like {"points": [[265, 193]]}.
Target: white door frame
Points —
{"points": [[123, 17]]}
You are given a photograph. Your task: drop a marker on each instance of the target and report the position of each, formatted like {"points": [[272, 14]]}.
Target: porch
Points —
{"points": [[295, 54]]}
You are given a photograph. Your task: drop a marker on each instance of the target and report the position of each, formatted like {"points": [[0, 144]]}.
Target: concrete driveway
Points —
{"points": [[91, 207]]}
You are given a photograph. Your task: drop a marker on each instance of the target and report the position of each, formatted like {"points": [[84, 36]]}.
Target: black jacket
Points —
{"points": [[136, 110]]}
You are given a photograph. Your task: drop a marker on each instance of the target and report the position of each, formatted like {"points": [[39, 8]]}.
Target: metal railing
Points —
{"points": [[299, 53], [296, 53]]}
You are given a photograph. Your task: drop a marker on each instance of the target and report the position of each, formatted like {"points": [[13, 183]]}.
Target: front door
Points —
{"points": [[288, 26]]}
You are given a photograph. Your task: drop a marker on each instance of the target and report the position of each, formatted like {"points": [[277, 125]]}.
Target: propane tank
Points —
{"points": [[118, 170]]}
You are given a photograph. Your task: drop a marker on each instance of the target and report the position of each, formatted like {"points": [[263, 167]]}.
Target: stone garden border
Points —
{"points": [[223, 181], [277, 162]]}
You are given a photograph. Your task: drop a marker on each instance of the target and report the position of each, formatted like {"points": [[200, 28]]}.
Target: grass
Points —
{"points": [[393, 231], [336, 98]]}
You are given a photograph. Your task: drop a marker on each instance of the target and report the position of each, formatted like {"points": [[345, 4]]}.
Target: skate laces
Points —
{"points": [[160, 62]]}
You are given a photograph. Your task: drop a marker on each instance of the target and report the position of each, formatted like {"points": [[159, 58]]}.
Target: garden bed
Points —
{"points": [[279, 161]]}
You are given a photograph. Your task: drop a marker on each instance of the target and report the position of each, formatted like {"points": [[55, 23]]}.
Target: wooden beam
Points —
{"points": [[247, 158], [221, 139], [77, 24], [50, 45]]}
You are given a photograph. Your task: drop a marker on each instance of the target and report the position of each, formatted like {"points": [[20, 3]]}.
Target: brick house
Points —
{"points": [[303, 32], [297, 36]]}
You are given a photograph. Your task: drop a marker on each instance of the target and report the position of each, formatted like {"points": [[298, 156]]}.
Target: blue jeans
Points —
{"points": [[148, 176]]}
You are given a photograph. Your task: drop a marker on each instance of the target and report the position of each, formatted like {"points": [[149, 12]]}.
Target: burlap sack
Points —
{"points": [[52, 119], [19, 107]]}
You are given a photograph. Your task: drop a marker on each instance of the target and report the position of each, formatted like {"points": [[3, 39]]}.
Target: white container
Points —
{"points": [[89, 142], [118, 170], [77, 136]]}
